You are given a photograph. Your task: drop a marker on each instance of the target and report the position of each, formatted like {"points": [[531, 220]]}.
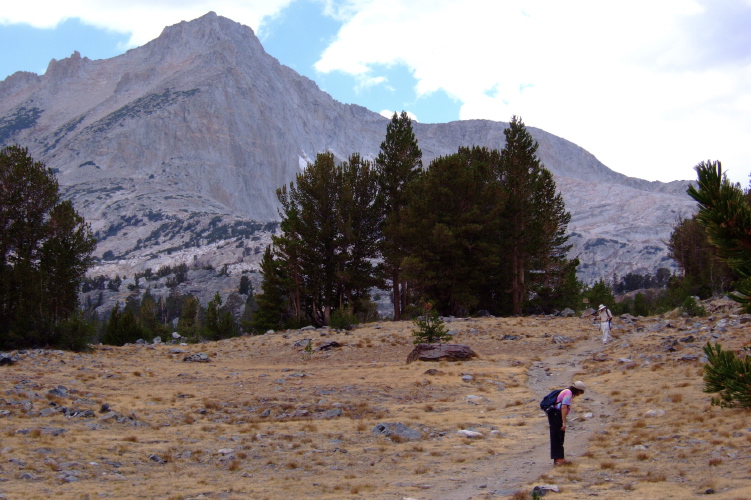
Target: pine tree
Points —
{"points": [[211, 323], [45, 249], [358, 229], [534, 223], [451, 226], [271, 313], [330, 222], [399, 163]]}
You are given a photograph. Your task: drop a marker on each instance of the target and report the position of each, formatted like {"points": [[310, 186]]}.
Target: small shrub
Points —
{"points": [[692, 308], [430, 327]]}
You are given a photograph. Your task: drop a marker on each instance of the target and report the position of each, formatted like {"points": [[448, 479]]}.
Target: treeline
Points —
{"points": [[477, 231], [142, 316]]}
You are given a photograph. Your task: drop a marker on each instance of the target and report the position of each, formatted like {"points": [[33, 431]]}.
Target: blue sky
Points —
{"points": [[650, 88]]}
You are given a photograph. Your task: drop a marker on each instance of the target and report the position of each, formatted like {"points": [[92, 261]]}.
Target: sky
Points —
{"points": [[651, 88]]}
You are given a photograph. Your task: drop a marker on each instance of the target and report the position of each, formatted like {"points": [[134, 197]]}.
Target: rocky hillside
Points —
{"points": [[173, 152]]}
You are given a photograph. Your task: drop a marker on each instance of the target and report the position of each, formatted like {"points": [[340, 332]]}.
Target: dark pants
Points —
{"points": [[555, 419]]}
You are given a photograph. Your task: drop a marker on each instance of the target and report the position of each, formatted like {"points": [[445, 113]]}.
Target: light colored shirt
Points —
{"points": [[564, 398]]}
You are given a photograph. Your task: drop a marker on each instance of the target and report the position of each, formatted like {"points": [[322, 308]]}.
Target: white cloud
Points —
{"points": [[144, 20], [629, 82], [390, 114]]}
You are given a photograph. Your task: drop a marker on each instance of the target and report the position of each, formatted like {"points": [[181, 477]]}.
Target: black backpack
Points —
{"points": [[549, 401]]}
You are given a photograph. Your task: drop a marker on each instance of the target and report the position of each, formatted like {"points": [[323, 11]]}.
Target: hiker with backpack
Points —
{"points": [[557, 405], [605, 317]]}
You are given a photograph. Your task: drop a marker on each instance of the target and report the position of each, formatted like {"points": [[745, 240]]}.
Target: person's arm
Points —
{"points": [[564, 413]]}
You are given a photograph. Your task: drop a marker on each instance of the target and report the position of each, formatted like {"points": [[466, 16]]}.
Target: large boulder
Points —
{"points": [[438, 352]]}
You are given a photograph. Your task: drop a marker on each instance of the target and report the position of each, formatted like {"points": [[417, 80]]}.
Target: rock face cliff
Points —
{"points": [[173, 152]]}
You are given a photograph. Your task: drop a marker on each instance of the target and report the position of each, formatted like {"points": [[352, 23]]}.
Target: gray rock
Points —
{"points": [[437, 352], [397, 429], [568, 313], [328, 345], [562, 339], [200, 357], [157, 459], [333, 413]]}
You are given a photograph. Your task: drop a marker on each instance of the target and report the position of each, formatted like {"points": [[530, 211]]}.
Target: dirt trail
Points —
{"points": [[510, 471]]}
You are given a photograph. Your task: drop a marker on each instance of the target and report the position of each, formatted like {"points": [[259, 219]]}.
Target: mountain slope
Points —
{"points": [[173, 152]]}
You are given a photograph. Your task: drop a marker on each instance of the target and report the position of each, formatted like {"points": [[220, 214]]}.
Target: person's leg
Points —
{"points": [[556, 435]]}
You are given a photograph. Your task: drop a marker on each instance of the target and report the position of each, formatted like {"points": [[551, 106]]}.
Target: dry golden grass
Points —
{"points": [[186, 413]]}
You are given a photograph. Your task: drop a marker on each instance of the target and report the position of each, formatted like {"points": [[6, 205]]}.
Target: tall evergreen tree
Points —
{"points": [[45, 249], [725, 213], [330, 222], [272, 301], [358, 228], [451, 225], [534, 222], [399, 163], [309, 219]]}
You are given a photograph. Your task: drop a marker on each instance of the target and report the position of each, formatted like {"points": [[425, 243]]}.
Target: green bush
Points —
{"points": [[692, 308], [430, 327], [343, 320]]}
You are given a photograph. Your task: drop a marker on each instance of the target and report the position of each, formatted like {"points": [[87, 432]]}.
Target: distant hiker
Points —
{"points": [[605, 317], [557, 415]]}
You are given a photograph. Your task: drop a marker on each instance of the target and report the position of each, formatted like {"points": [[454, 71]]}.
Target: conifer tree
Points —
{"points": [[725, 214], [272, 303], [399, 163], [451, 226], [45, 249], [330, 222], [534, 222]]}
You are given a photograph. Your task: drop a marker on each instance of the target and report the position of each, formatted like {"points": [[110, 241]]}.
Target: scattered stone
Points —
{"points": [[654, 413], [302, 342], [226, 451], [511, 337], [437, 352], [307, 328], [433, 371], [469, 434], [157, 459], [60, 391], [567, 313], [175, 335], [333, 413], [561, 339], [397, 429], [328, 345], [157, 340], [200, 357], [105, 408], [467, 378], [266, 412], [6, 359], [624, 360], [177, 350]]}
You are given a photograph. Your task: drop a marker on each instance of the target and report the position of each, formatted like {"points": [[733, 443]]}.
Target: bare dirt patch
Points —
{"points": [[264, 419]]}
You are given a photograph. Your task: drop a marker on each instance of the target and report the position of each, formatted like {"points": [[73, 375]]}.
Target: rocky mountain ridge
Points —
{"points": [[173, 152]]}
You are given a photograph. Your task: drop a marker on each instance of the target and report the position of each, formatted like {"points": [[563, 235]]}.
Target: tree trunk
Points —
{"points": [[396, 295]]}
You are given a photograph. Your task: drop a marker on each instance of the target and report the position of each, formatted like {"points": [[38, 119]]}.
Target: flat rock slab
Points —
{"points": [[441, 352]]}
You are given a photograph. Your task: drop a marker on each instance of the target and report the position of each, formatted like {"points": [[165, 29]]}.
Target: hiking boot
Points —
{"points": [[558, 461]]}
